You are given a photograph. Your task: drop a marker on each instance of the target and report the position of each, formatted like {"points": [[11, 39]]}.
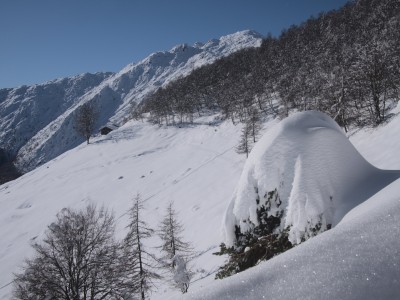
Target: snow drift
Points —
{"points": [[358, 259], [317, 173]]}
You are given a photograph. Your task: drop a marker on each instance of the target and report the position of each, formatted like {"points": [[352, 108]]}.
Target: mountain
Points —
{"points": [[38, 120], [25, 110]]}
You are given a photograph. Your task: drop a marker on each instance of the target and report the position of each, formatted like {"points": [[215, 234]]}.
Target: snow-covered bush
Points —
{"points": [[300, 179], [259, 242], [181, 274]]}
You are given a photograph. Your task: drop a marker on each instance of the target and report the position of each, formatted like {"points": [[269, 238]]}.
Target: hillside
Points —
{"points": [[198, 168], [188, 165], [357, 258], [38, 120], [344, 63]]}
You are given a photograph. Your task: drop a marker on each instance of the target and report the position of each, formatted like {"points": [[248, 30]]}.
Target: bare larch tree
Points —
{"points": [[175, 250], [143, 262]]}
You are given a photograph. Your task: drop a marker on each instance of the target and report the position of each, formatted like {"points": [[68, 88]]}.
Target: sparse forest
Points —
{"points": [[345, 63]]}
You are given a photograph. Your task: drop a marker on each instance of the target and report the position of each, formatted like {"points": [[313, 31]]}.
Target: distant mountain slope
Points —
{"points": [[25, 110], [36, 140]]}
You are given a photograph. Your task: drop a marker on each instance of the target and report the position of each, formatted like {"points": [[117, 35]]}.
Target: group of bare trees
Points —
{"points": [[80, 258], [345, 62]]}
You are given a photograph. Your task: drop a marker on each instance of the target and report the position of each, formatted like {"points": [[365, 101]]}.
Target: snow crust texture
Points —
{"points": [[317, 173], [358, 259], [37, 121]]}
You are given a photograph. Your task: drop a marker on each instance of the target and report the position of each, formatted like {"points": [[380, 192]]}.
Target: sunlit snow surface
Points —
{"points": [[197, 167], [357, 259]]}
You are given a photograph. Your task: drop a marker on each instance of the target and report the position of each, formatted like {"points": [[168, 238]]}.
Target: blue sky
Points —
{"points": [[46, 39]]}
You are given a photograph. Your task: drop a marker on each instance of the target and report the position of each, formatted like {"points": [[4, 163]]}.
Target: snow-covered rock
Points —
{"points": [[317, 173], [37, 121]]}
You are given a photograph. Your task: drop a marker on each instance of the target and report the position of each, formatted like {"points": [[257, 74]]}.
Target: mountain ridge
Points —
{"points": [[45, 138]]}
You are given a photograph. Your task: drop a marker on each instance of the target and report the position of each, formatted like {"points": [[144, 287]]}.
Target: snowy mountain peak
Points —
{"points": [[198, 45], [243, 35], [179, 48], [305, 172]]}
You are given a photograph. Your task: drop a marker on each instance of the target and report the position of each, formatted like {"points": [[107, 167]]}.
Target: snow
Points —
{"points": [[386, 136], [48, 131], [26, 110], [181, 274], [358, 259], [317, 172], [197, 167], [187, 165]]}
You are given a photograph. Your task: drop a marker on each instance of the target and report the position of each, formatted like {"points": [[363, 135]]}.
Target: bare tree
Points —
{"points": [[250, 131], [170, 233], [85, 120], [175, 250], [78, 259], [135, 253], [254, 121]]}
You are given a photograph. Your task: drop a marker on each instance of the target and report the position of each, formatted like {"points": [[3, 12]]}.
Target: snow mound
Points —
{"points": [[316, 172], [358, 259]]}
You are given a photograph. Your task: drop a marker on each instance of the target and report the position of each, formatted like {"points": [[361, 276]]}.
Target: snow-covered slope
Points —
{"points": [[317, 173], [44, 138], [196, 167], [358, 259]]}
